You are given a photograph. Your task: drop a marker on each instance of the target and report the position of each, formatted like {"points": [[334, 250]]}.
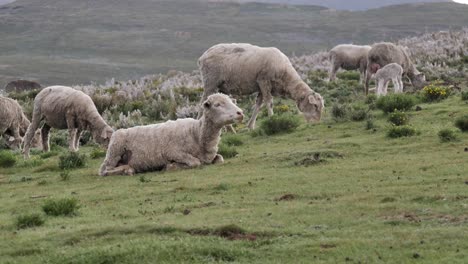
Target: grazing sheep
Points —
{"points": [[244, 69], [349, 57], [184, 143], [13, 123], [390, 72], [384, 53], [65, 108]]}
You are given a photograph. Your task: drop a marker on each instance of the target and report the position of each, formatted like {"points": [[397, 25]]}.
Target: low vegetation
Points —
{"points": [[61, 207]]}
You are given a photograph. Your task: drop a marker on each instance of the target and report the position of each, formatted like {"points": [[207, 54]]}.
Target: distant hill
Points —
{"points": [[72, 42], [346, 4]]}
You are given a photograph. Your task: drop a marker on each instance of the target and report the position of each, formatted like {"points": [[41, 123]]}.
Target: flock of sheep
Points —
{"points": [[237, 69]]}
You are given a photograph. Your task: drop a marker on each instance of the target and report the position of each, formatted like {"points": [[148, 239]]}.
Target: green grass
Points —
{"points": [[373, 200]]}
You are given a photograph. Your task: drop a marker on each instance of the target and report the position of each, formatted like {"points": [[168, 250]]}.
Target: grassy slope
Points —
{"points": [[384, 201], [70, 42]]}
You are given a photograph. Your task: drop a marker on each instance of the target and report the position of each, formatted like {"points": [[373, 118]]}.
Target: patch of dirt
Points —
{"points": [[316, 158], [203, 205], [327, 246], [286, 197]]}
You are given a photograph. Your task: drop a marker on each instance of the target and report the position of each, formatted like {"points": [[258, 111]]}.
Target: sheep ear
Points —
{"points": [[207, 104], [106, 133], [312, 99], [11, 139]]}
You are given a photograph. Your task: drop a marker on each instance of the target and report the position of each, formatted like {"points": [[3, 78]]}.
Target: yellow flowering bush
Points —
{"points": [[436, 91]]}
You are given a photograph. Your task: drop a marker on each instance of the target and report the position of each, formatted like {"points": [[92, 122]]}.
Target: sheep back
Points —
{"points": [[349, 57]]}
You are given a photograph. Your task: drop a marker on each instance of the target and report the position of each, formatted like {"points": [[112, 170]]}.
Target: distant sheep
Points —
{"points": [[13, 123], [62, 107], [390, 72], [245, 69], [384, 53], [184, 143], [349, 57]]}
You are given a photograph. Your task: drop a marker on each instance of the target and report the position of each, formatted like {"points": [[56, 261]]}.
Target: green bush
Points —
{"points": [[359, 112], [232, 140], [59, 138], [46, 155], [370, 124], [401, 131], [447, 135], [396, 102], [462, 123], [27, 221], [398, 118], [72, 160], [349, 75], [7, 159], [61, 207], [227, 151], [97, 153], [277, 124], [339, 111], [464, 96]]}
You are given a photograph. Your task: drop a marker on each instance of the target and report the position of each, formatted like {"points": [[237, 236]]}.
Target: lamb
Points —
{"points": [[349, 57], [65, 108], [385, 53], [13, 123], [390, 72], [184, 143], [244, 69]]}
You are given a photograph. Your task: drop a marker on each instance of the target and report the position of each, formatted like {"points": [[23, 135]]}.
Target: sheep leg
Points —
{"points": [[36, 119], [45, 134], [396, 85], [121, 170], [380, 85], [218, 159], [334, 68], [186, 161], [368, 77], [72, 130], [79, 132], [400, 84], [265, 89], [384, 92], [256, 109], [18, 140]]}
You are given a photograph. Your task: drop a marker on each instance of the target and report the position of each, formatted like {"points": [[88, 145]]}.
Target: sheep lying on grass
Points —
{"points": [[244, 69], [13, 124], [382, 54], [184, 143], [390, 72], [65, 108], [349, 57]]}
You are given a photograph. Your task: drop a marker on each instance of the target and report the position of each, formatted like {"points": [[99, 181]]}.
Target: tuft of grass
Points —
{"points": [[401, 131], [339, 111], [359, 112], [395, 102], [61, 207], [65, 175], [464, 95], [278, 124], [97, 153], [46, 155], [462, 123], [447, 135], [143, 179], [232, 140], [398, 118], [28, 221], [222, 187], [7, 159], [227, 151], [72, 160]]}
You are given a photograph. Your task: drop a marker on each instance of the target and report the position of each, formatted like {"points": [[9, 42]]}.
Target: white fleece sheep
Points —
{"points": [[385, 53], [390, 72], [13, 123], [244, 69], [63, 107], [184, 143], [349, 57]]}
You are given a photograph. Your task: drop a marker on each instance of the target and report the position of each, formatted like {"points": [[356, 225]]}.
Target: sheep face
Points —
{"points": [[419, 81], [220, 109], [104, 137], [312, 106], [13, 143]]}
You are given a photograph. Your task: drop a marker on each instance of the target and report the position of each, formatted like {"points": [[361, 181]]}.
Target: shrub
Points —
{"points": [[370, 124], [61, 207], [435, 91], [398, 118], [232, 140], [339, 111], [72, 160], [46, 155], [447, 135], [359, 112], [277, 124], [97, 153], [395, 102], [464, 96], [227, 151], [349, 75], [7, 159], [462, 123], [65, 175], [27, 221], [59, 138], [401, 131]]}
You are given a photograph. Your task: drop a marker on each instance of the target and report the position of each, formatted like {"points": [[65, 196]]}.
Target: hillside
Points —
{"points": [[70, 42]]}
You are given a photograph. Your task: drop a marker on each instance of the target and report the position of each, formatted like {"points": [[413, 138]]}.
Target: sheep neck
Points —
{"points": [[298, 90], [209, 134]]}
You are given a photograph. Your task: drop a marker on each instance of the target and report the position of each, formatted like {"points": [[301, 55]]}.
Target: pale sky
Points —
{"points": [[461, 1]]}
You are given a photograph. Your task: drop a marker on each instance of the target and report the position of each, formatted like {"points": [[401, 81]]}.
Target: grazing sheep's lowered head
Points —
{"points": [[103, 137], [12, 143], [311, 105], [221, 110], [419, 81]]}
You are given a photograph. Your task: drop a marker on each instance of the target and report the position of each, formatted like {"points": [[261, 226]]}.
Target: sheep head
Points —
{"points": [[221, 110], [13, 143], [103, 137], [419, 81], [311, 106]]}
